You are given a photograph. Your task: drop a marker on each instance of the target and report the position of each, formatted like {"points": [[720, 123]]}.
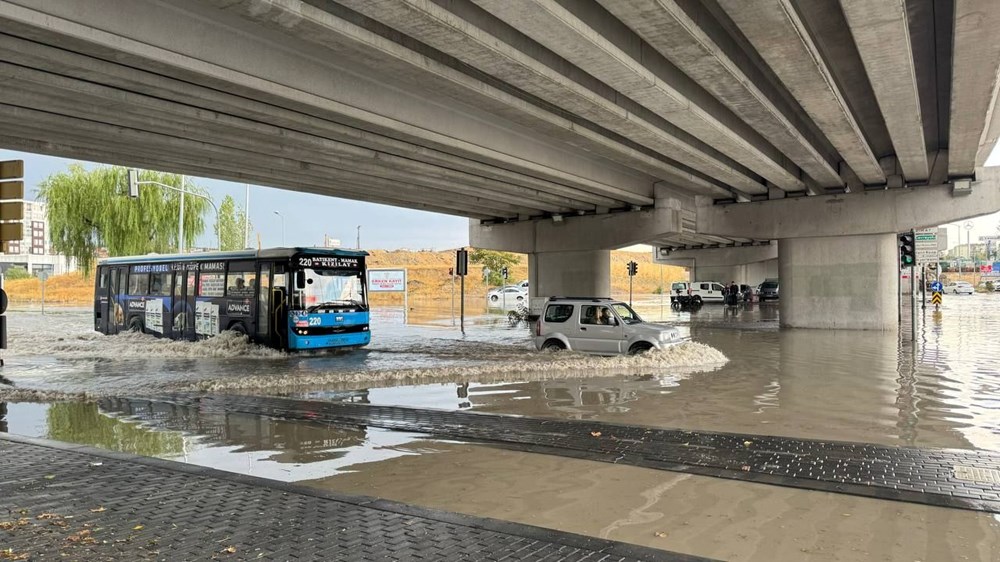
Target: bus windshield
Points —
{"points": [[333, 287]]}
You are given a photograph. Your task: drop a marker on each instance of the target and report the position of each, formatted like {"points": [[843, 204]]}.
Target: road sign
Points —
{"points": [[937, 286], [936, 298], [926, 245]]}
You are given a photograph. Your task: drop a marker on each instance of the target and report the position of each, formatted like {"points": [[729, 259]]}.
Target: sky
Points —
{"points": [[308, 218]]}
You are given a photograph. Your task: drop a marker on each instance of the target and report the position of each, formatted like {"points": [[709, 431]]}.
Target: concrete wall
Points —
{"points": [[756, 273], [576, 274], [845, 282]]}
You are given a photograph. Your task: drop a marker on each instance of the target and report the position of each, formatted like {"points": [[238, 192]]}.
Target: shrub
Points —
{"points": [[17, 272]]}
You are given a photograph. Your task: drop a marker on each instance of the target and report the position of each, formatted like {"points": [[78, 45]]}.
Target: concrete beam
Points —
{"points": [[688, 36], [576, 233], [717, 257], [130, 86], [262, 63], [511, 57], [867, 212], [645, 77], [776, 30], [884, 45], [974, 84]]}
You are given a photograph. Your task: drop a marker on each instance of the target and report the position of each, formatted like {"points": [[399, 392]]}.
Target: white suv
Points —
{"points": [[599, 325]]}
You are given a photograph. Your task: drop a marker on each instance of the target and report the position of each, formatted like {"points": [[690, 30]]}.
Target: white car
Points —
{"points": [[510, 293], [959, 288]]}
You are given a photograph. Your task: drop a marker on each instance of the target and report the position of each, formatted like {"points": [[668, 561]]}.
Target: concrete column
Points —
{"points": [[570, 274], [842, 282]]}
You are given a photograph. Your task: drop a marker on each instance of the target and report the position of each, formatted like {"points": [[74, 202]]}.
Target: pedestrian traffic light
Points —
{"points": [[11, 201], [907, 250]]}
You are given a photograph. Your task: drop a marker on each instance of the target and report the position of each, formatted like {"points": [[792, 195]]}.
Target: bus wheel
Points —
{"points": [[135, 325]]}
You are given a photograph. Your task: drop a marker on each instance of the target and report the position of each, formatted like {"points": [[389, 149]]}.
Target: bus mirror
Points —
{"points": [[300, 279]]}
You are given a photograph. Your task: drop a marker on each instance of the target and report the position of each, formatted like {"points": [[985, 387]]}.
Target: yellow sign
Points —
{"points": [[936, 297]]}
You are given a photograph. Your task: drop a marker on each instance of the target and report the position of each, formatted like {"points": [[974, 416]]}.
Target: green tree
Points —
{"points": [[16, 272], [494, 261], [230, 226], [90, 209]]}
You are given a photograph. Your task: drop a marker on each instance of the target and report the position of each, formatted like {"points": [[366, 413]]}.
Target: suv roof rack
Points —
{"points": [[592, 299]]}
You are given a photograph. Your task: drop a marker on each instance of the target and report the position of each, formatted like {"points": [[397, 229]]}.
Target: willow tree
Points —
{"points": [[90, 209]]}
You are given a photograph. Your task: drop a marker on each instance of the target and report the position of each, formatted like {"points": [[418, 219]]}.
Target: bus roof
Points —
{"points": [[265, 253]]}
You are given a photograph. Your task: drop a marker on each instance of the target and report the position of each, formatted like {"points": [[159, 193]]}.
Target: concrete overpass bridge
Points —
{"points": [[561, 128]]}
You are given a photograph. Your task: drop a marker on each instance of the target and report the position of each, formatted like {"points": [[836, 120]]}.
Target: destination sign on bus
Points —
{"points": [[330, 262]]}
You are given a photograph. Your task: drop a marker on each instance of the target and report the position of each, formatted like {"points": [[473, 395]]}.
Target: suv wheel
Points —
{"points": [[639, 348], [553, 345], [494, 298], [697, 300]]}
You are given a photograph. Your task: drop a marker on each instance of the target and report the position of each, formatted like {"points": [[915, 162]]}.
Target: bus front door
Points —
{"points": [[272, 313], [183, 306], [114, 314]]}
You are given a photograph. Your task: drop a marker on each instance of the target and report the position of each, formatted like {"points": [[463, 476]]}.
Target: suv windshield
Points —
{"points": [[769, 285], [627, 314]]}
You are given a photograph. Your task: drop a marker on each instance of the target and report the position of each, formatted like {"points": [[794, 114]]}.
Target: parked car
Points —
{"points": [[601, 326], [959, 288], [697, 293], [511, 293], [523, 285], [768, 290]]}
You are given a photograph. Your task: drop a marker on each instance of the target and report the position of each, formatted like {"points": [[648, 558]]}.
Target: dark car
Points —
{"points": [[769, 290]]}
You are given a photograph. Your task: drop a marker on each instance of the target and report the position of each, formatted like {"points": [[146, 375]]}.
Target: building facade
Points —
{"points": [[34, 251]]}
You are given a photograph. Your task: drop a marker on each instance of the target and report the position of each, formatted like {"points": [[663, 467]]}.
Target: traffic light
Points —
{"points": [[11, 201], [462, 262], [633, 268], [504, 272], [907, 250]]}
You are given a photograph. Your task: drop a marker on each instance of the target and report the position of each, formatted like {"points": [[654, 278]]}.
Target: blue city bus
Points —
{"points": [[285, 298]]}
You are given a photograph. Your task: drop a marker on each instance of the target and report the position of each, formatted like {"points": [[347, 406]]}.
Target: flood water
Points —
{"points": [[854, 386]]}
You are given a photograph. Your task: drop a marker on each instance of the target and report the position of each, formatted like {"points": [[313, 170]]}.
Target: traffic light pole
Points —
{"points": [[913, 297]]}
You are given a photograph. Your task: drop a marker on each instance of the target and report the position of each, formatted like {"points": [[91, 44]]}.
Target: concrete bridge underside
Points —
{"points": [[556, 126]]}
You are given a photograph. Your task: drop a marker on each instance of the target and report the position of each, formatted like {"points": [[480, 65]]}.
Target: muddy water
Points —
{"points": [[801, 383]]}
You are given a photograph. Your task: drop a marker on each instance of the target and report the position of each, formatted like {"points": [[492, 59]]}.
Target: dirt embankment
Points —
{"points": [[427, 274]]}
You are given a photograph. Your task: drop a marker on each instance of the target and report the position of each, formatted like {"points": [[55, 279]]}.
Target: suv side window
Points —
{"points": [[717, 287], [558, 312], [704, 286]]}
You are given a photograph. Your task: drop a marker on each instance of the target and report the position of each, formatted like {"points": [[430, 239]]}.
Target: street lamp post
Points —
{"points": [[968, 240], [282, 217], [358, 241], [180, 227], [246, 218]]}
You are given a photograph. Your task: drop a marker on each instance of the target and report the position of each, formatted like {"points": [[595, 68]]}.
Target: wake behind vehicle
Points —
{"points": [[601, 326], [285, 298]]}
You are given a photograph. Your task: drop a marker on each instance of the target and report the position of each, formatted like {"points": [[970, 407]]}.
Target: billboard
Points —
{"points": [[387, 280]]}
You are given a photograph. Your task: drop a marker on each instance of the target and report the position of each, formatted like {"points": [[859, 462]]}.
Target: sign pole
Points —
{"points": [[452, 297], [406, 296], [461, 304], [923, 287]]}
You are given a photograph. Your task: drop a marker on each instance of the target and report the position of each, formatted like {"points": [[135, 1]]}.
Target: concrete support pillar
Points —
{"points": [[570, 274], [841, 282]]}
